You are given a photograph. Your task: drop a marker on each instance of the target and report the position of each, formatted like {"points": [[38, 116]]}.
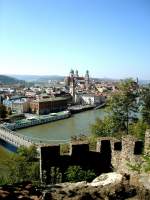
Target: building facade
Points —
{"points": [[50, 105], [89, 99]]}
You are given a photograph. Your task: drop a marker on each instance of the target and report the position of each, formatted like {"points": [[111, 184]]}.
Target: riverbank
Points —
{"points": [[37, 120]]}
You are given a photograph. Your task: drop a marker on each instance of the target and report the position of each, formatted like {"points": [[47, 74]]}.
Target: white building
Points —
{"points": [[18, 105], [89, 99]]}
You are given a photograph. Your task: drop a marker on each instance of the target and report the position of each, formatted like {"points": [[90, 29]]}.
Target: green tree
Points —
{"points": [[23, 166], [122, 111], [138, 129], [145, 99], [102, 127], [3, 111], [29, 154], [123, 105]]}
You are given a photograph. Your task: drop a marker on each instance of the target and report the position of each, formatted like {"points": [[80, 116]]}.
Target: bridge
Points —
{"points": [[12, 138], [16, 140]]}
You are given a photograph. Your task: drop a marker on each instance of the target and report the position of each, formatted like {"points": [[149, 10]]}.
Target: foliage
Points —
{"points": [[145, 99], [29, 154], [122, 111], [92, 142], [3, 111], [76, 173], [64, 148], [55, 175], [3, 180], [23, 166], [135, 167], [141, 167], [103, 127], [123, 105], [138, 129], [146, 165]]}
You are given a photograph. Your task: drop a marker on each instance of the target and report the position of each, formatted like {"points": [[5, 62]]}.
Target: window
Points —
{"points": [[138, 148], [117, 146]]}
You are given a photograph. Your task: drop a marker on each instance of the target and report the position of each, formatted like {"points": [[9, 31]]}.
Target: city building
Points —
{"points": [[82, 81], [46, 106], [74, 81], [89, 99], [17, 104]]}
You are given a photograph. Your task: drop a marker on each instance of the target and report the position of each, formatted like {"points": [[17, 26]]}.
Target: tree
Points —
{"points": [[3, 111], [123, 105], [102, 127], [122, 110], [23, 166], [145, 99], [138, 129], [30, 153]]}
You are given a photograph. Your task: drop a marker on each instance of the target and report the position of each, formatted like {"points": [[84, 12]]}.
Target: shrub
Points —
{"points": [[76, 173]]}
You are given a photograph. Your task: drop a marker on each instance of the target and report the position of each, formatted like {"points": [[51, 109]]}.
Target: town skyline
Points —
{"points": [[109, 38]]}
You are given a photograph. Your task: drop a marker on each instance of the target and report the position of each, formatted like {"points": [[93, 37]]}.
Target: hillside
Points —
{"points": [[9, 80], [39, 78]]}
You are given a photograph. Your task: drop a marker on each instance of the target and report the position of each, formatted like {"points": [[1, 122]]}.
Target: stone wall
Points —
{"points": [[79, 155], [110, 154], [131, 152], [147, 142]]}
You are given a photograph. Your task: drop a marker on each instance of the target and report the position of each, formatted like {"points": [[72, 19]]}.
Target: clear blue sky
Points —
{"points": [[111, 38]]}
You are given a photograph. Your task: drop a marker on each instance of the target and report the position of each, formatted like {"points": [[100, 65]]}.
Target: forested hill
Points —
{"points": [[9, 80]]}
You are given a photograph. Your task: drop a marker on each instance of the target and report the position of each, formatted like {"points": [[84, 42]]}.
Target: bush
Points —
{"points": [[76, 173]]}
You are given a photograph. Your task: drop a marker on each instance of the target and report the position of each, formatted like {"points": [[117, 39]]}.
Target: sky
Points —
{"points": [[110, 38]]}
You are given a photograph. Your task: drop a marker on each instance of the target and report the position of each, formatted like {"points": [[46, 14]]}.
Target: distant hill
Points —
{"points": [[9, 80], [52, 77], [26, 77], [45, 78], [38, 78]]}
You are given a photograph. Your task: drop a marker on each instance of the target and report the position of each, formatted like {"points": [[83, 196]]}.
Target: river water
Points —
{"points": [[63, 129], [59, 130]]}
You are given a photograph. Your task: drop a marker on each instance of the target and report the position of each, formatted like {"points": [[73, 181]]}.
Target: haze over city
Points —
{"points": [[109, 38]]}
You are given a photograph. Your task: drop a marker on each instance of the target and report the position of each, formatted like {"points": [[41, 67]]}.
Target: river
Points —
{"points": [[63, 129], [59, 130]]}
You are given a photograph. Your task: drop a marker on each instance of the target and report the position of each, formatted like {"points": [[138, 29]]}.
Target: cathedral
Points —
{"points": [[77, 81]]}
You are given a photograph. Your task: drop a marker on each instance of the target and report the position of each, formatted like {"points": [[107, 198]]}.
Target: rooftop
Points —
{"points": [[51, 99]]}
